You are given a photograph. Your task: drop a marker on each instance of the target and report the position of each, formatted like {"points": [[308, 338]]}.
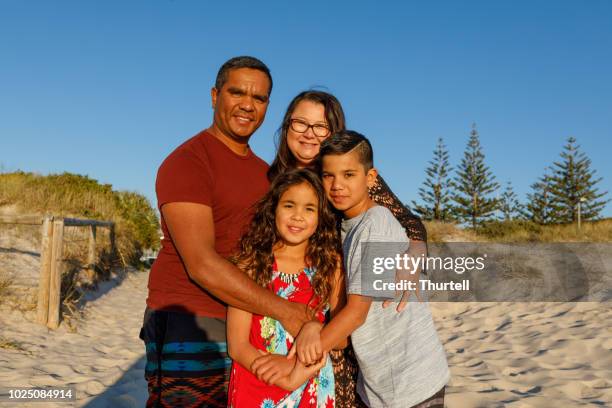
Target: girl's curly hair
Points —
{"points": [[255, 249]]}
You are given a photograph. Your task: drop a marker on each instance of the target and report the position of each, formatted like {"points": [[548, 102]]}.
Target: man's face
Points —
{"points": [[346, 182], [241, 103]]}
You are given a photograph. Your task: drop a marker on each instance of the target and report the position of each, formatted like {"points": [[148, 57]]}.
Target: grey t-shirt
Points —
{"points": [[401, 360]]}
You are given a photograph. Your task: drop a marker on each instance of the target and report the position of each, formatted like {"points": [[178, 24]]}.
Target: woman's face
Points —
{"points": [[305, 146]]}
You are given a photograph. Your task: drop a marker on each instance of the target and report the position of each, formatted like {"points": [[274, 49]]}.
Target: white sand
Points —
{"points": [[527, 354], [104, 359], [501, 354]]}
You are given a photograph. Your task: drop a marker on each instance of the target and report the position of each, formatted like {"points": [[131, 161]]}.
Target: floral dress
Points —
{"points": [[267, 334]]}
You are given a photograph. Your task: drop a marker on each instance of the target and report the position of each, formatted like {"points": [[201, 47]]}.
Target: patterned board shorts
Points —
{"points": [[187, 362]]}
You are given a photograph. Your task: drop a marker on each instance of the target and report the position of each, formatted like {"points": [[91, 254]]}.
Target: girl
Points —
{"points": [[292, 248], [311, 117]]}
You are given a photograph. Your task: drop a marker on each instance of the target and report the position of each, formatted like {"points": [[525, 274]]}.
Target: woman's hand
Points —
{"points": [[415, 250], [308, 344], [269, 368]]}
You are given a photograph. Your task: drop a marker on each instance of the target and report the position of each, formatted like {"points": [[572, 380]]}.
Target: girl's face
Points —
{"points": [[305, 146], [297, 214]]}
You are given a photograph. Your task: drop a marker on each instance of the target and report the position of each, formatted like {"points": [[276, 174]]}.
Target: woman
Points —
{"points": [[311, 117]]}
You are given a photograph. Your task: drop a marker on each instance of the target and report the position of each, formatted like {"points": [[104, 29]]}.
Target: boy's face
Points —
{"points": [[346, 183]]}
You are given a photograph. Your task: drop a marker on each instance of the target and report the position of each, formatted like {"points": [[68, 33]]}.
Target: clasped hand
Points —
{"points": [[307, 345], [289, 372], [286, 373]]}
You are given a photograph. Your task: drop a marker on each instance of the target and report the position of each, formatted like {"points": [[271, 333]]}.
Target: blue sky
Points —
{"points": [[109, 88]]}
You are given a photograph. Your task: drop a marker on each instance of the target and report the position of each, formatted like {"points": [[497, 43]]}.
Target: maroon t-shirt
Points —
{"points": [[203, 170]]}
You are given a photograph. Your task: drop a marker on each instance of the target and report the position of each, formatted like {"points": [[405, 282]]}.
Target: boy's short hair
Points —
{"points": [[346, 141]]}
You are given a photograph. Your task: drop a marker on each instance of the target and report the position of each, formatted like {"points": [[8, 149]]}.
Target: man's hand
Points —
{"points": [[307, 345], [294, 317], [417, 249], [269, 368]]}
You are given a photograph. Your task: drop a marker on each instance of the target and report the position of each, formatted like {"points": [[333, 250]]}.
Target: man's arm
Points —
{"points": [[192, 230]]}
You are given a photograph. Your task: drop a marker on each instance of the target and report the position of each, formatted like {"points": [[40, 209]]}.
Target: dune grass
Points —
{"points": [[438, 231], [73, 195], [8, 344], [521, 231], [5, 283]]}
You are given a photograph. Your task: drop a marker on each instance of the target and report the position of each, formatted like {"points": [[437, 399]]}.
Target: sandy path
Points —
{"points": [[104, 360], [515, 355]]}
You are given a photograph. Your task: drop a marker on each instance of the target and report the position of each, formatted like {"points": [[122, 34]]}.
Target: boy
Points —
{"points": [[401, 360]]}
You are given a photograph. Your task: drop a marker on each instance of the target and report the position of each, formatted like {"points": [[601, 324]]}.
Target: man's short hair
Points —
{"points": [[241, 62], [345, 142]]}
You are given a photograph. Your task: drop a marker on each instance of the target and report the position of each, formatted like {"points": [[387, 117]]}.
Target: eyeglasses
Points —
{"points": [[300, 126]]}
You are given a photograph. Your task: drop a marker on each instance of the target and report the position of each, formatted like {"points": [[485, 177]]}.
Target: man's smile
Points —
{"points": [[243, 119]]}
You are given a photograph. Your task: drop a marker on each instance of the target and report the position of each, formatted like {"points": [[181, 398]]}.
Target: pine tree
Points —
{"points": [[538, 208], [435, 192], [474, 184], [571, 181], [509, 204]]}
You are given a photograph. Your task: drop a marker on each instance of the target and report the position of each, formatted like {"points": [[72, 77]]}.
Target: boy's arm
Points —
{"points": [[338, 301], [349, 319], [192, 230], [313, 341], [308, 345]]}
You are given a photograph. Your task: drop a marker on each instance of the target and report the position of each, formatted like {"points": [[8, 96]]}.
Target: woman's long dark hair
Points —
{"points": [[334, 115], [255, 249]]}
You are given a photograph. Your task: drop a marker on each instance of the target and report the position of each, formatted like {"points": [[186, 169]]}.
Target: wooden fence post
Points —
{"points": [[55, 284], [51, 258], [113, 243], [45, 270], [91, 255]]}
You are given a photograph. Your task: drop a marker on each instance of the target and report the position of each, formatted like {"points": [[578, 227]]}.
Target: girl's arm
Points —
{"points": [[243, 352], [300, 374], [239, 347]]}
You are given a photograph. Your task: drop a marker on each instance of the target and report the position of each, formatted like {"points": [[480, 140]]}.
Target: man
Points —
{"points": [[205, 190]]}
